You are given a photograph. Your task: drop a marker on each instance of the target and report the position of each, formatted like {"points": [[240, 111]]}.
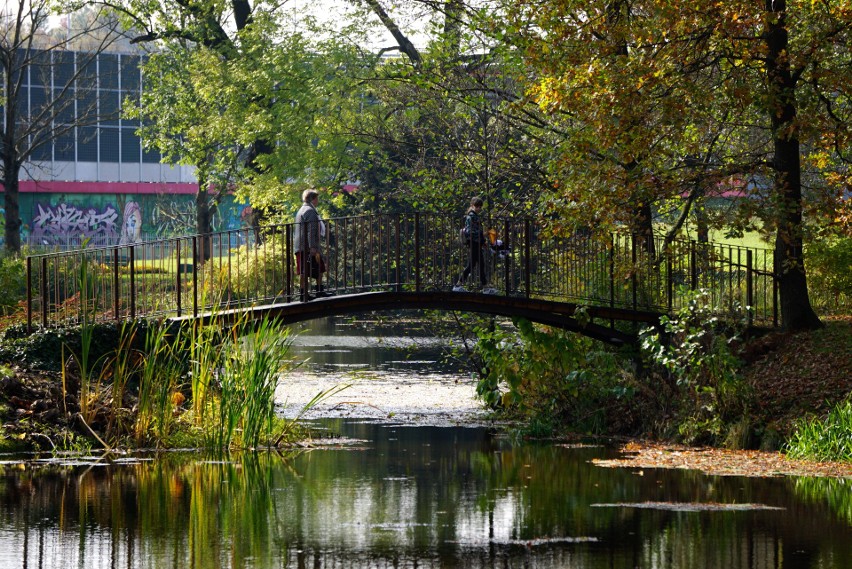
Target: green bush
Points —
{"points": [[827, 262], [252, 272], [551, 378], [13, 283], [694, 349]]}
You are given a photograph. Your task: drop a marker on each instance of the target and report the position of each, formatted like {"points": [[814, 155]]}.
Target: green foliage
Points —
{"points": [[828, 263], [824, 439], [552, 378], [271, 92], [43, 348], [253, 270], [13, 283], [695, 348]]}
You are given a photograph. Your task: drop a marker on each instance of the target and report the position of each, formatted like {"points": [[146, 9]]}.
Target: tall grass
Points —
{"points": [[251, 361], [229, 373], [829, 439], [159, 381]]}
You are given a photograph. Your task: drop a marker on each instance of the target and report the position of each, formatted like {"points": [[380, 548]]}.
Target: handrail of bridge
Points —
{"points": [[389, 252]]}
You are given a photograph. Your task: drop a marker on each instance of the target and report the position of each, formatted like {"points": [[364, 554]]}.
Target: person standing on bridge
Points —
{"points": [[476, 245], [307, 236]]}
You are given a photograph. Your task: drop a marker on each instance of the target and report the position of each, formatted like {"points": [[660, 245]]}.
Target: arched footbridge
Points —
{"points": [[399, 261]]}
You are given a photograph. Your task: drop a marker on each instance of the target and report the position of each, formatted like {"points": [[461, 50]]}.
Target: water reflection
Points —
{"points": [[338, 345], [395, 496]]}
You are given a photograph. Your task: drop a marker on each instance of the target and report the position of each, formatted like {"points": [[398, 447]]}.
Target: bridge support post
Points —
{"points": [[669, 280], [417, 251], [633, 271], [288, 262], [507, 259], [527, 262], [693, 264], [398, 257], [178, 278], [612, 270], [44, 302]]}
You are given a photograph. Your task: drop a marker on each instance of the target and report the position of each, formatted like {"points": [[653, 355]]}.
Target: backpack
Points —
{"points": [[464, 237]]}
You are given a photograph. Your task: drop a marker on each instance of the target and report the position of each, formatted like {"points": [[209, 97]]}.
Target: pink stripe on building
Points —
{"points": [[61, 187]]}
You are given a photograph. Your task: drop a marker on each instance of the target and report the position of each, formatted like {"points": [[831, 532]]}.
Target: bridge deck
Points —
{"points": [[558, 314], [380, 262]]}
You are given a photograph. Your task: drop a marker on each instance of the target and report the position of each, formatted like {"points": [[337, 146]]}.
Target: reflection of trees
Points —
{"points": [[410, 496], [836, 493]]}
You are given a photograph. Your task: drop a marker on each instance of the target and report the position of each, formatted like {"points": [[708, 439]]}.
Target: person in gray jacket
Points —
{"points": [[307, 236]]}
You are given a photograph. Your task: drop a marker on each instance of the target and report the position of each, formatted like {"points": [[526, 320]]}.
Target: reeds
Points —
{"points": [[828, 439], [209, 385]]}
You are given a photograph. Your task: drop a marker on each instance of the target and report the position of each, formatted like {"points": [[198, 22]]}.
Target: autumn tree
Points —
{"points": [[47, 92], [653, 101]]}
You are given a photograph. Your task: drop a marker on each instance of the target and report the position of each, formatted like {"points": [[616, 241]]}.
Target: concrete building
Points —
{"points": [[98, 182]]}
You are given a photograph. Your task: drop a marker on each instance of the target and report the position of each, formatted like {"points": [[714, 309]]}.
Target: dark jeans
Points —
{"points": [[476, 256]]}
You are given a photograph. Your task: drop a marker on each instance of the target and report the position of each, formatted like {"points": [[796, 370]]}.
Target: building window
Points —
{"points": [[130, 72], [130, 146], [108, 71], [87, 144], [63, 146], [108, 144]]}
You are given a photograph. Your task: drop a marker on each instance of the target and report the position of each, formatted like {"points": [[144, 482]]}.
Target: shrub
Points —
{"points": [[13, 283], [552, 378], [694, 349], [828, 261]]}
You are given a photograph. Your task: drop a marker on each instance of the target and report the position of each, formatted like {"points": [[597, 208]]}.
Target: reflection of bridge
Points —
{"points": [[397, 261]]}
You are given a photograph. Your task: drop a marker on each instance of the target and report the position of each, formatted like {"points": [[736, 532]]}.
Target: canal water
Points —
{"points": [[407, 481]]}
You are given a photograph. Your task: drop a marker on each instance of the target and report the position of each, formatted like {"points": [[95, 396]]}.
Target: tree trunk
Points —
{"points": [[12, 206], [796, 310]]}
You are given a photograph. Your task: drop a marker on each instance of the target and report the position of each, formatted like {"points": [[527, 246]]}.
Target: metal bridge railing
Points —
{"points": [[400, 252]]}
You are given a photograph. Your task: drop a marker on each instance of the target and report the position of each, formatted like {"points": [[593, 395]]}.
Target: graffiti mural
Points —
{"points": [[131, 226], [68, 219], [173, 216], [57, 224]]}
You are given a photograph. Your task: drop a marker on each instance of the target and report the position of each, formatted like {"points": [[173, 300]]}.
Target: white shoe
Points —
{"points": [[489, 290], [459, 288]]}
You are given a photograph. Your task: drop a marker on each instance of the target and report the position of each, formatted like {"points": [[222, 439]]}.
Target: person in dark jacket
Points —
{"points": [[476, 244]]}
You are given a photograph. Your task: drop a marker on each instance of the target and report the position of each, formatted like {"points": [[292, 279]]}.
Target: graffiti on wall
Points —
{"points": [[131, 225], [171, 216], [56, 224], [68, 219]]}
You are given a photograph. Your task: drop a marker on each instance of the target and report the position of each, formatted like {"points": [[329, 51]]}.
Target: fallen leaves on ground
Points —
{"points": [[721, 462]]}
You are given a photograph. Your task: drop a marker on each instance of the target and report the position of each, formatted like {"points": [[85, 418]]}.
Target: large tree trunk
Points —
{"points": [[12, 206], [796, 310]]}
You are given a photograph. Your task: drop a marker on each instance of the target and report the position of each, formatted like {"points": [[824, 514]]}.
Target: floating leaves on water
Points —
{"points": [[689, 506]]}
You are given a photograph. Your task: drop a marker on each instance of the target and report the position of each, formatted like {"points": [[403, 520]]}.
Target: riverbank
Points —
{"points": [[792, 376]]}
